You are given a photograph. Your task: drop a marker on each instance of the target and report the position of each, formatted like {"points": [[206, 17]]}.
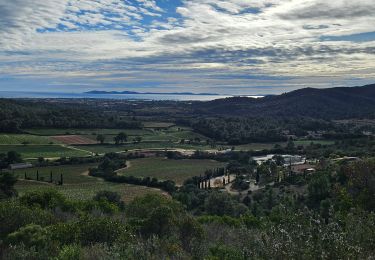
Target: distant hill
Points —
{"points": [[332, 103]]}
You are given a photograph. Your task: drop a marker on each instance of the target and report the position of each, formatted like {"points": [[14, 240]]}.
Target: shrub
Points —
{"points": [[70, 252], [89, 230], [111, 197], [45, 199], [14, 215], [31, 236]]}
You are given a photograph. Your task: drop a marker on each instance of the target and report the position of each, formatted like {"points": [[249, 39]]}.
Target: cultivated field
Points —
{"points": [[165, 169], [107, 148], [308, 142], [157, 124], [88, 190], [77, 184], [94, 132], [72, 174], [46, 151], [23, 139], [82, 142], [73, 139], [256, 146], [102, 149]]}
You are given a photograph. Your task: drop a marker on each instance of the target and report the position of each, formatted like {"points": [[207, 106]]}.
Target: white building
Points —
{"points": [[20, 166]]}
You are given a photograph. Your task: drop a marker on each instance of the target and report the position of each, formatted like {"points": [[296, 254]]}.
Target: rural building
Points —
{"points": [[288, 159], [20, 166], [293, 159], [315, 134], [303, 168], [348, 159]]}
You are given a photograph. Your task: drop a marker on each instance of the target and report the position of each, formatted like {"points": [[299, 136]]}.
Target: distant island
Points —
{"points": [[98, 92]]}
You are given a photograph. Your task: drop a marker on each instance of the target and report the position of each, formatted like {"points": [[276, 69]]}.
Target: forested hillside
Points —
{"points": [[333, 103]]}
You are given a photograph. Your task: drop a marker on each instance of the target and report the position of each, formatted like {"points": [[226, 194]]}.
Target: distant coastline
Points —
{"points": [[99, 92], [126, 95], [98, 95]]}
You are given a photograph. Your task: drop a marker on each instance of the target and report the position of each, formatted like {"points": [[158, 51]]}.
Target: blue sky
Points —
{"points": [[222, 46]]}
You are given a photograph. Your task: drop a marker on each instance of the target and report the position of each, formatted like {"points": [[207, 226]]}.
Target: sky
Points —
{"points": [[245, 47]]}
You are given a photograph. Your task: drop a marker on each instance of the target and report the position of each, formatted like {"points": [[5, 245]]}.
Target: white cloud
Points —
{"points": [[234, 37]]}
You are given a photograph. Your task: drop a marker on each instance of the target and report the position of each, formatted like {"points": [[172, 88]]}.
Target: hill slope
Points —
{"points": [[333, 103]]}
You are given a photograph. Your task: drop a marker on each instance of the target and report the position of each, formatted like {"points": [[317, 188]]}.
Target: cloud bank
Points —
{"points": [[224, 46]]}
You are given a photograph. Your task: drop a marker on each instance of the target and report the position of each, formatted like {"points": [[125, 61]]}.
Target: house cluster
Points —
{"points": [[17, 166], [288, 159], [315, 134]]}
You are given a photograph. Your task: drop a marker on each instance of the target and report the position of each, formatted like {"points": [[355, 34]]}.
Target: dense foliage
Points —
{"points": [[333, 220], [18, 115]]}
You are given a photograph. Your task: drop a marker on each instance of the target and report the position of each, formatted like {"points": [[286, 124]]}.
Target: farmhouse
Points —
{"points": [[20, 166], [303, 168], [293, 159]]}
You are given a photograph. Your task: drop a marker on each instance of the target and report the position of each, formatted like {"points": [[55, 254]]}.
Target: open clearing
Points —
{"points": [[46, 151], [73, 139], [165, 169]]}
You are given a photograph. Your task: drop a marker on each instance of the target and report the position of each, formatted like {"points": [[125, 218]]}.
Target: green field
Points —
{"points": [[72, 174], [158, 124], [308, 142], [94, 132], [77, 184], [256, 146], [102, 149], [88, 190], [107, 148], [170, 135], [46, 151], [165, 169], [173, 134], [23, 139]]}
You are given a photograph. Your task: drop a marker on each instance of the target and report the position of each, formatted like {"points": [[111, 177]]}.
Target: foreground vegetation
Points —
{"points": [[334, 219]]}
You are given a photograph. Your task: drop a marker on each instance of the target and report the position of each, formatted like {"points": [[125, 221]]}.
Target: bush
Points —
{"points": [[14, 215], [221, 204], [111, 197], [31, 236], [7, 181], [89, 230], [45, 199], [70, 252]]}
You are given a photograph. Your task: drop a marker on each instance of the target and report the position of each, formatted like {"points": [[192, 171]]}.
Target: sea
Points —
{"points": [[43, 95]]}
